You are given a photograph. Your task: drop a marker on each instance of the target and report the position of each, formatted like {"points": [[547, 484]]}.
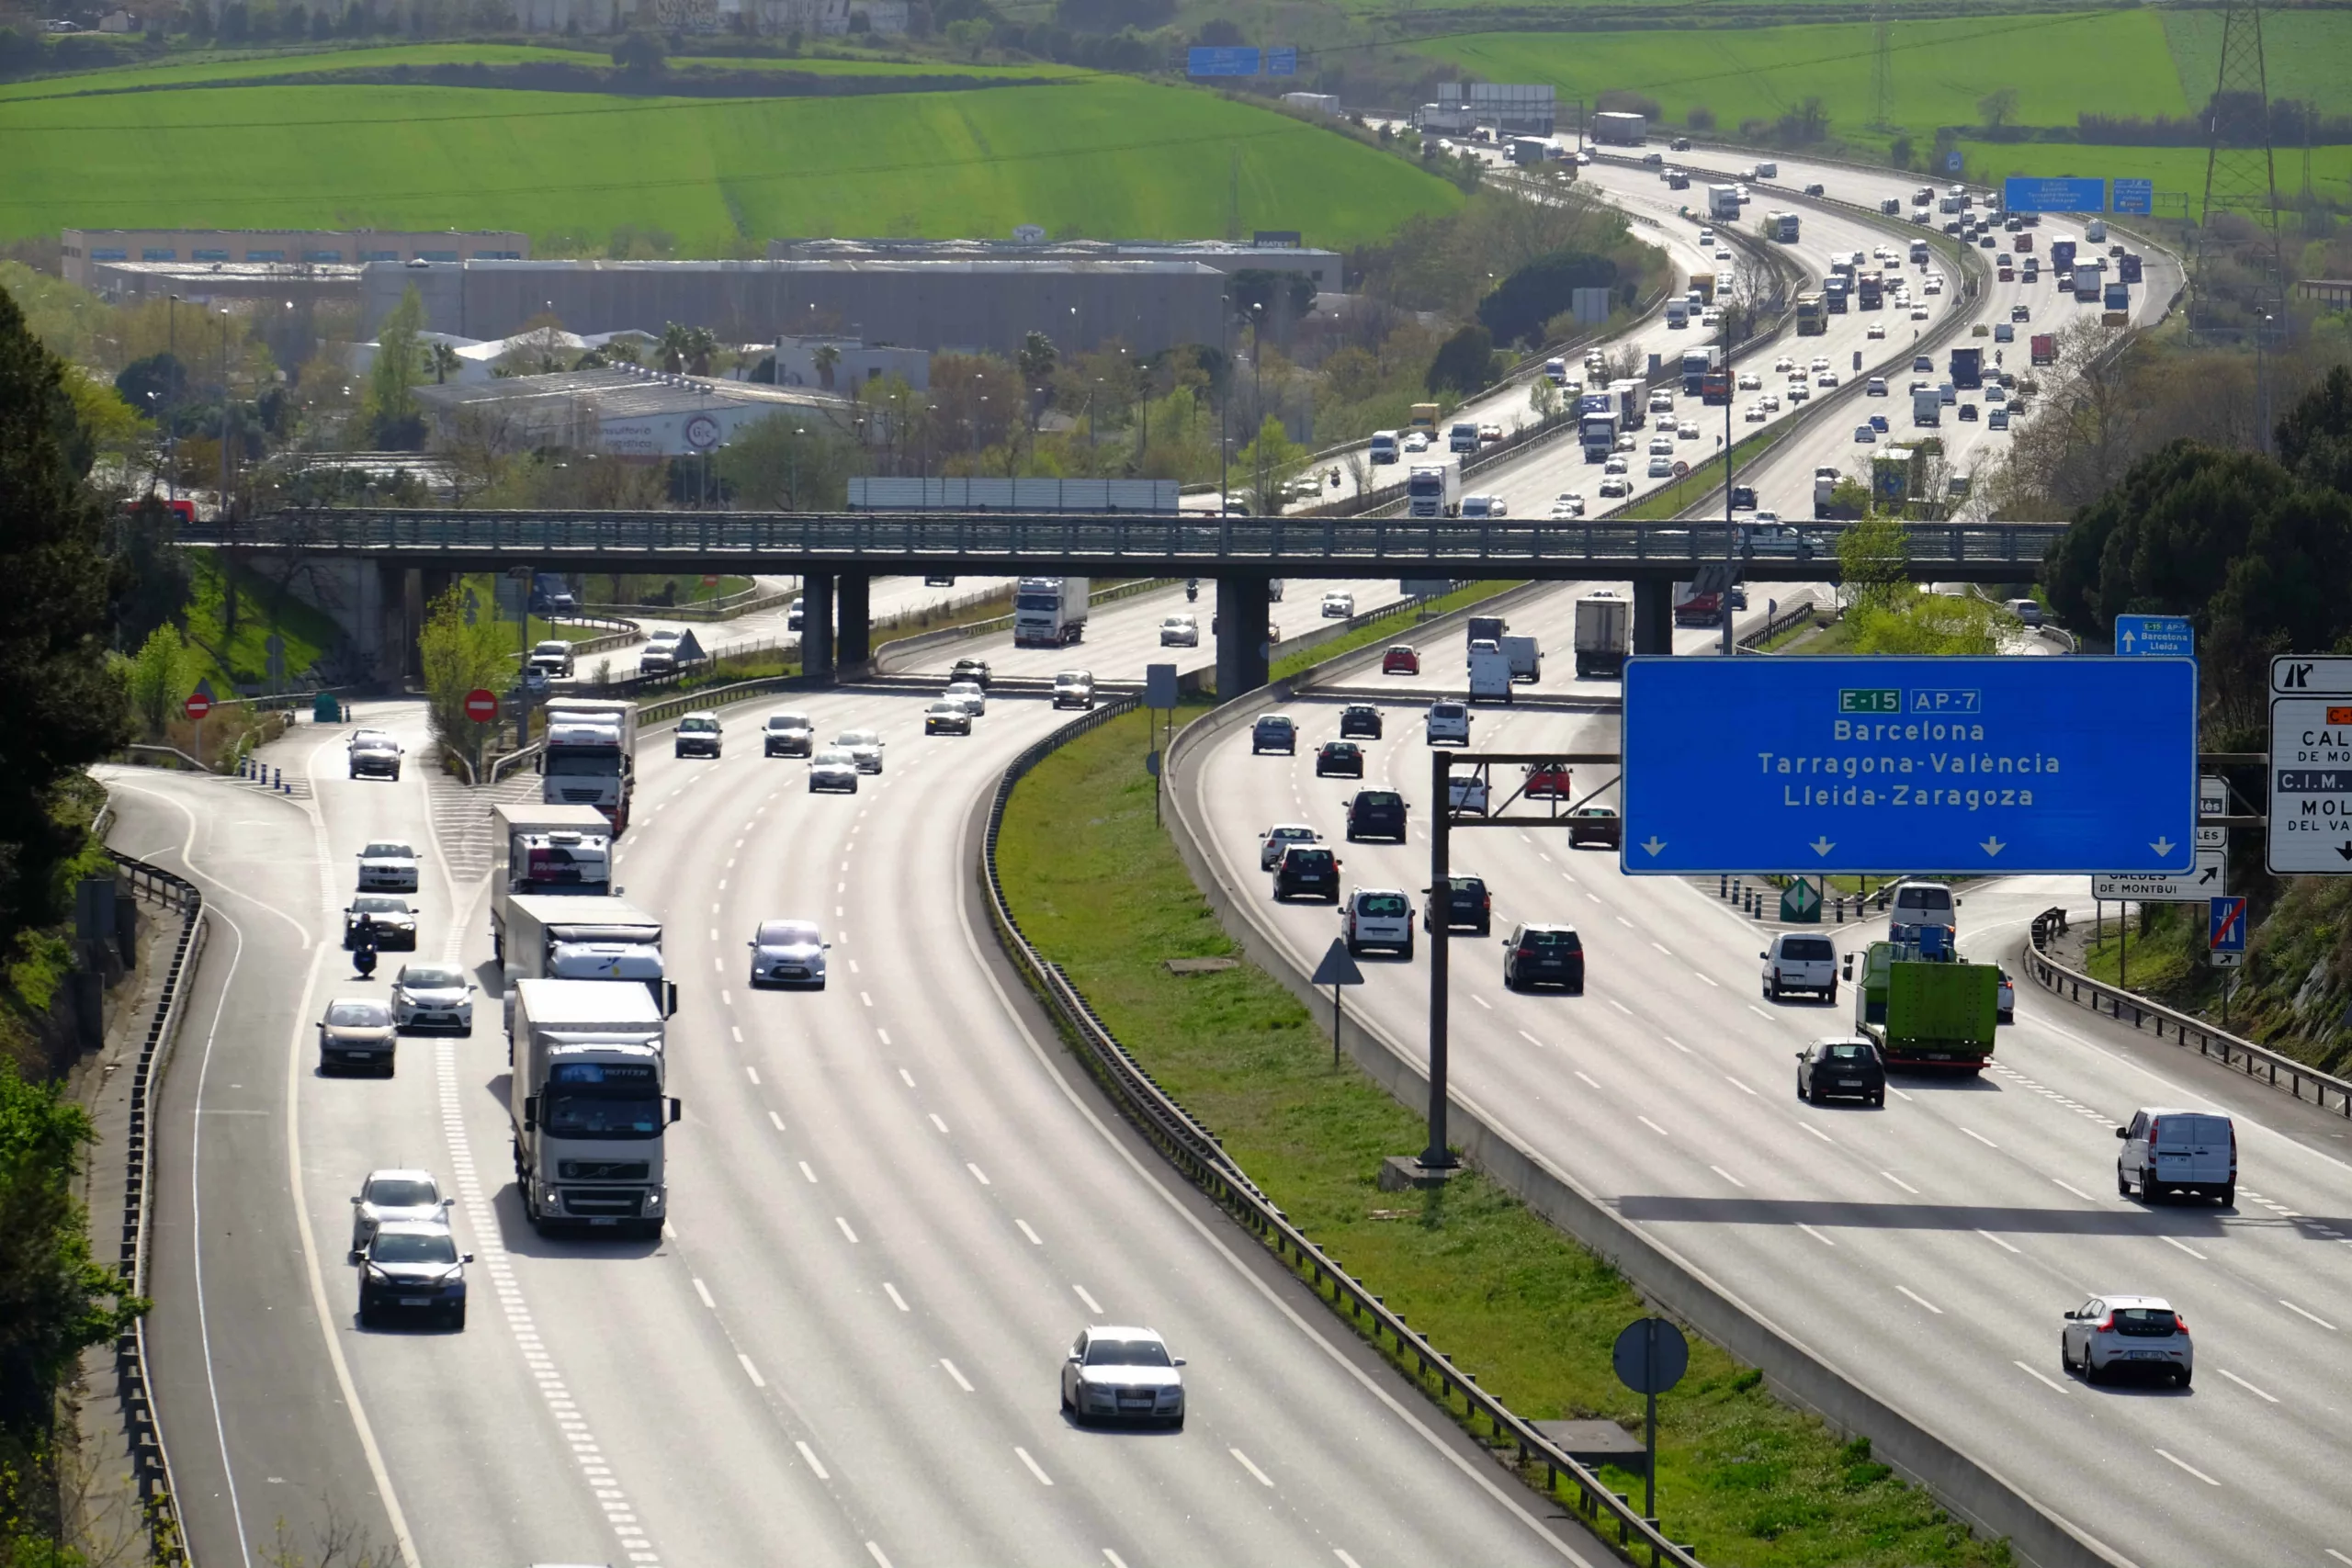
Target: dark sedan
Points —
{"points": [[1544, 955], [1595, 825], [1841, 1069], [1338, 758], [1360, 720], [1307, 871]]}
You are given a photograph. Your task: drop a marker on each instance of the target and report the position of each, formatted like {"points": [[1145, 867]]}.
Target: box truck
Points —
{"points": [[588, 756], [1433, 487], [1604, 635], [564, 850], [587, 1107], [554, 937]]}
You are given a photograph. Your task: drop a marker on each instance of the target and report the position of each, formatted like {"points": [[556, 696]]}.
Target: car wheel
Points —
{"points": [[2148, 1189], [2092, 1371], [1353, 948], [1408, 949], [2180, 1377], [2065, 1358], [1833, 993], [1178, 1424], [2227, 1195]]}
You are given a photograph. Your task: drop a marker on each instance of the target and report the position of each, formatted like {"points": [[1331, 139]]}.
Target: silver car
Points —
{"points": [[1114, 1373], [428, 996], [396, 1196], [357, 1033], [1282, 836], [864, 748], [788, 735], [969, 692], [2107, 1334], [1074, 688], [387, 867], [832, 769], [946, 718], [1179, 631], [789, 952]]}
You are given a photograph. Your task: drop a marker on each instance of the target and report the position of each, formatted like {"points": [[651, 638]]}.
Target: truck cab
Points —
{"points": [[587, 1107]]}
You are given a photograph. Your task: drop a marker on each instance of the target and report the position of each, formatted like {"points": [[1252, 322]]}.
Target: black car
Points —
{"points": [[1376, 814], [1845, 1069], [976, 671], [1274, 733], [1742, 498], [1470, 907], [1544, 955], [413, 1266], [1338, 758], [1968, 410], [1307, 871], [1360, 719]]}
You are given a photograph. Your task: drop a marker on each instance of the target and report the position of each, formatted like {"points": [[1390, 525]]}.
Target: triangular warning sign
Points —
{"points": [[1337, 967]]}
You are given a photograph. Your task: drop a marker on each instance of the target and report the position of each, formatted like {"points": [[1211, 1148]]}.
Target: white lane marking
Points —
{"points": [[1263, 1479], [2052, 1384], [809, 1173], [814, 1462], [2189, 1467], [2299, 1312], [777, 1120], [2250, 1389], [1482, 1001], [1035, 1468], [866, 997], [1727, 1176], [1737, 1085], [703, 1291], [1626, 923], [883, 1035], [2075, 1191], [1896, 1092], [2330, 1551], [714, 933], [1678, 1044], [1114, 1558], [937, 1123], [1900, 1182], [904, 1074], [961, 1381], [1815, 1233], [1663, 948], [2184, 1246], [845, 1230], [727, 998], [977, 1174], [751, 1372], [853, 966], [752, 1074], [1092, 1304], [1588, 1077], [1034, 1239], [1653, 1127], [896, 1299], [1345, 1561], [1621, 1007], [1922, 1299], [1816, 1131], [714, 964], [1531, 1040], [738, 1030], [1710, 981], [1759, 1012], [1980, 1137], [1997, 1241]]}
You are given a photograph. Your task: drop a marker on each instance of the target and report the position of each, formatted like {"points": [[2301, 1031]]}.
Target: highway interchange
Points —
{"points": [[895, 1201]]}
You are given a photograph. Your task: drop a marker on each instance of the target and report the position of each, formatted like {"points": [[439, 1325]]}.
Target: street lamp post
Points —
{"points": [[797, 434], [1224, 362], [170, 417]]}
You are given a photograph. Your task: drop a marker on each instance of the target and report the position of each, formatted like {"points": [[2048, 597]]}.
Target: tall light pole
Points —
{"points": [[1225, 363], [172, 419], [1729, 320]]}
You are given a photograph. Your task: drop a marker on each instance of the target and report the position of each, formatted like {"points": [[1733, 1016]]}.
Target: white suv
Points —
{"points": [[1377, 917], [1796, 962]]}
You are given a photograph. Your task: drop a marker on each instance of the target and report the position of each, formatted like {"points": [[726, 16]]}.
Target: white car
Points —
{"points": [[1418, 441], [1711, 316], [1466, 792], [1749, 381], [1626, 442], [787, 952], [1615, 487], [1820, 363], [832, 770], [1864, 436], [1875, 387], [1377, 917], [387, 867], [1661, 467], [1662, 445], [1179, 631], [1918, 312], [411, 1196], [1707, 236], [969, 692], [1771, 401], [427, 996], [1799, 391], [1280, 837], [1115, 1373], [1663, 422], [2113, 1331], [1723, 252], [1661, 401], [1687, 431], [1783, 364], [1825, 379], [1339, 606], [864, 748], [1568, 503], [1613, 463], [1754, 413]]}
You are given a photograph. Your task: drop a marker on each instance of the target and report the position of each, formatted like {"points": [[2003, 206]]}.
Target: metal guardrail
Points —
{"points": [[1775, 625], [151, 1461], [2258, 1061], [1196, 1152]]}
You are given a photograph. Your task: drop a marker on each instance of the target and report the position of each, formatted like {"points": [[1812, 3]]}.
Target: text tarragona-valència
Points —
{"points": [[1961, 779]]}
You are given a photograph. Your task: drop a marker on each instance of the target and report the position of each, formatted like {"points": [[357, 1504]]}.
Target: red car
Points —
{"points": [[1550, 781], [1402, 659]]}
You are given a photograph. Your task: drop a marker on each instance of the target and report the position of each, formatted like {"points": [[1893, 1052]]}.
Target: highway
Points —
{"points": [[894, 1202], [888, 596], [1927, 1249]]}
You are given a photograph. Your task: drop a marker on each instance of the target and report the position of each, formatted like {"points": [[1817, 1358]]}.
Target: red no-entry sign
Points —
{"points": [[199, 704], [482, 705]]}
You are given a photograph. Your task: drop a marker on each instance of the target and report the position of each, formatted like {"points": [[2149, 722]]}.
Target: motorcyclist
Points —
{"points": [[363, 947], [1191, 589]]}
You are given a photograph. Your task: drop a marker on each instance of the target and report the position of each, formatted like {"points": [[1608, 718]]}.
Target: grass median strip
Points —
{"points": [[1099, 889], [1671, 500], [1396, 628]]}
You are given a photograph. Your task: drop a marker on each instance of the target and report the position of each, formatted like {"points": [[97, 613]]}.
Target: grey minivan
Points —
{"points": [[2191, 1152]]}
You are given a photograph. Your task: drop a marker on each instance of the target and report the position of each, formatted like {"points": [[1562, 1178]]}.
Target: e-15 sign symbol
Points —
{"points": [[1869, 700]]}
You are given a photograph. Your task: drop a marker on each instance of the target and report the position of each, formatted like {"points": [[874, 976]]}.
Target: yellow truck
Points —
{"points": [[1703, 285], [1425, 417]]}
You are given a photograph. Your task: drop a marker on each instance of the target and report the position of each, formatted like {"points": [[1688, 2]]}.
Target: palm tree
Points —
{"points": [[702, 347], [677, 342], [826, 358], [444, 359]]}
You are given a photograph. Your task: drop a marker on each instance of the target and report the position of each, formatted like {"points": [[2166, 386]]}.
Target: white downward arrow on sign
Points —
{"points": [[1822, 846], [1991, 845], [1655, 845], [2162, 846]]}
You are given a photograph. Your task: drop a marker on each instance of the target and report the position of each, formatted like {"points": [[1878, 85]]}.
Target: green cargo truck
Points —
{"points": [[1927, 1010]]}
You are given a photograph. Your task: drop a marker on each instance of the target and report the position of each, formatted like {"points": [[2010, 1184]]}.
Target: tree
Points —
{"points": [[160, 676], [154, 385], [1997, 107], [827, 359], [60, 705], [790, 462], [457, 659], [641, 56], [1037, 359], [152, 580], [1521, 303], [2315, 438], [1269, 461], [393, 411], [1871, 558], [1464, 363], [1898, 152], [445, 360]]}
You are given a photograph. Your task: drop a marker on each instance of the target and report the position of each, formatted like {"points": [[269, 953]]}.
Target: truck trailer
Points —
{"points": [[556, 937], [563, 850], [1604, 635], [1967, 369], [1049, 612], [1923, 1006], [587, 1107]]}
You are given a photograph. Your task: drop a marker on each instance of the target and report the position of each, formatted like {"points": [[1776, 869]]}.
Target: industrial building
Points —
{"points": [[1269, 250], [1510, 108], [851, 364], [629, 413], [957, 304], [294, 250]]}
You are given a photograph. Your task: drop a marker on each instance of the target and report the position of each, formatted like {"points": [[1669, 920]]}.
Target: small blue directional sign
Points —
{"points": [[1884, 765], [2135, 195], [1222, 62], [2227, 928], [2022, 193], [1281, 61], [1952, 162], [2154, 636]]}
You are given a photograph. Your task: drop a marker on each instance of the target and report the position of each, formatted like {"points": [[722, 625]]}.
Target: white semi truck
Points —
{"points": [[1604, 635], [567, 937], [588, 1107], [589, 756], [1433, 487], [559, 849], [1049, 612]]}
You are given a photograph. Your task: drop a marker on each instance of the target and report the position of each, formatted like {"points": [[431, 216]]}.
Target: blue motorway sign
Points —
{"points": [[2225, 924], [2154, 636], [2135, 195], [1887, 765], [1281, 61], [2025, 193], [1225, 62], [1952, 162]]}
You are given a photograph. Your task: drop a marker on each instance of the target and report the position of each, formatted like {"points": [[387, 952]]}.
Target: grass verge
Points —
{"points": [[1670, 501], [263, 607], [1099, 889], [1391, 629]]}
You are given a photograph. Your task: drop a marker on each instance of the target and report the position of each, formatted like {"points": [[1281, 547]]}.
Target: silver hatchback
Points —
{"points": [[2110, 1334]]}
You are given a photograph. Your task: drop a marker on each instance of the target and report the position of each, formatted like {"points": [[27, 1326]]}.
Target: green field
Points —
{"points": [[1104, 156], [2305, 54], [2175, 169]]}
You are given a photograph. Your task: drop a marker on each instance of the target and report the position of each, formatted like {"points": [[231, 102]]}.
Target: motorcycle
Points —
{"points": [[363, 961], [1192, 591]]}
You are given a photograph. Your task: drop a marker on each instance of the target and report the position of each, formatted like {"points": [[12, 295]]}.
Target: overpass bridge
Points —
{"points": [[837, 555]]}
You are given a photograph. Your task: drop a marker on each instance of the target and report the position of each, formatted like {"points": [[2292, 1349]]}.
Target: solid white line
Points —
{"points": [[1092, 1304], [1663, 948], [1737, 1085], [1653, 1127], [2184, 1246], [751, 1371], [807, 1172], [1345, 1561], [1588, 1077], [752, 1074], [1997, 1241], [2337, 1555], [1531, 1040], [845, 1230], [937, 1123], [1035, 1468], [703, 1291], [1896, 1092], [814, 1462], [2293, 1308], [777, 1120], [961, 1381], [737, 1030], [2250, 1389], [1626, 923], [1900, 1182], [1114, 1558], [1035, 1240], [2190, 1468], [1980, 1137], [1263, 1479], [896, 1299], [885, 1035], [1815, 1233], [866, 997], [1727, 1176], [1922, 1299], [1759, 1012], [1710, 981], [2051, 1383]]}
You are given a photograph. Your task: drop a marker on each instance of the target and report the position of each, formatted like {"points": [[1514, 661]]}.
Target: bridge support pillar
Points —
{"points": [[817, 628], [1244, 651], [853, 643], [1653, 615]]}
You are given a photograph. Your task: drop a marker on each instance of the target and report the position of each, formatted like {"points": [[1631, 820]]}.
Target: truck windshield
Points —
{"points": [[602, 1110], [1037, 602], [599, 761]]}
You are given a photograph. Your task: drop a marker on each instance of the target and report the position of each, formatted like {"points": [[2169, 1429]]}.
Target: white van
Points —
{"points": [[1448, 721], [1384, 447], [1918, 904], [1799, 962], [2191, 1152]]}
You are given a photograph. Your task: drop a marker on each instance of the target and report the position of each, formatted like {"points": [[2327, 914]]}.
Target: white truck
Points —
{"points": [[1526, 657], [559, 849], [1489, 674], [589, 756], [1604, 635], [1049, 612], [1723, 203], [1433, 487], [587, 1106], [1926, 406], [567, 937]]}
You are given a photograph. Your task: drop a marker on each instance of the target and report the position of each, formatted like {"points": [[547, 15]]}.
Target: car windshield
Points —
{"points": [[857, 737], [788, 721], [1126, 1353], [412, 1246], [1853, 1051], [1807, 949], [788, 933], [378, 906], [431, 978], [1388, 905], [386, 851], [834, 754], [696, 721], [402, 1192]]}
